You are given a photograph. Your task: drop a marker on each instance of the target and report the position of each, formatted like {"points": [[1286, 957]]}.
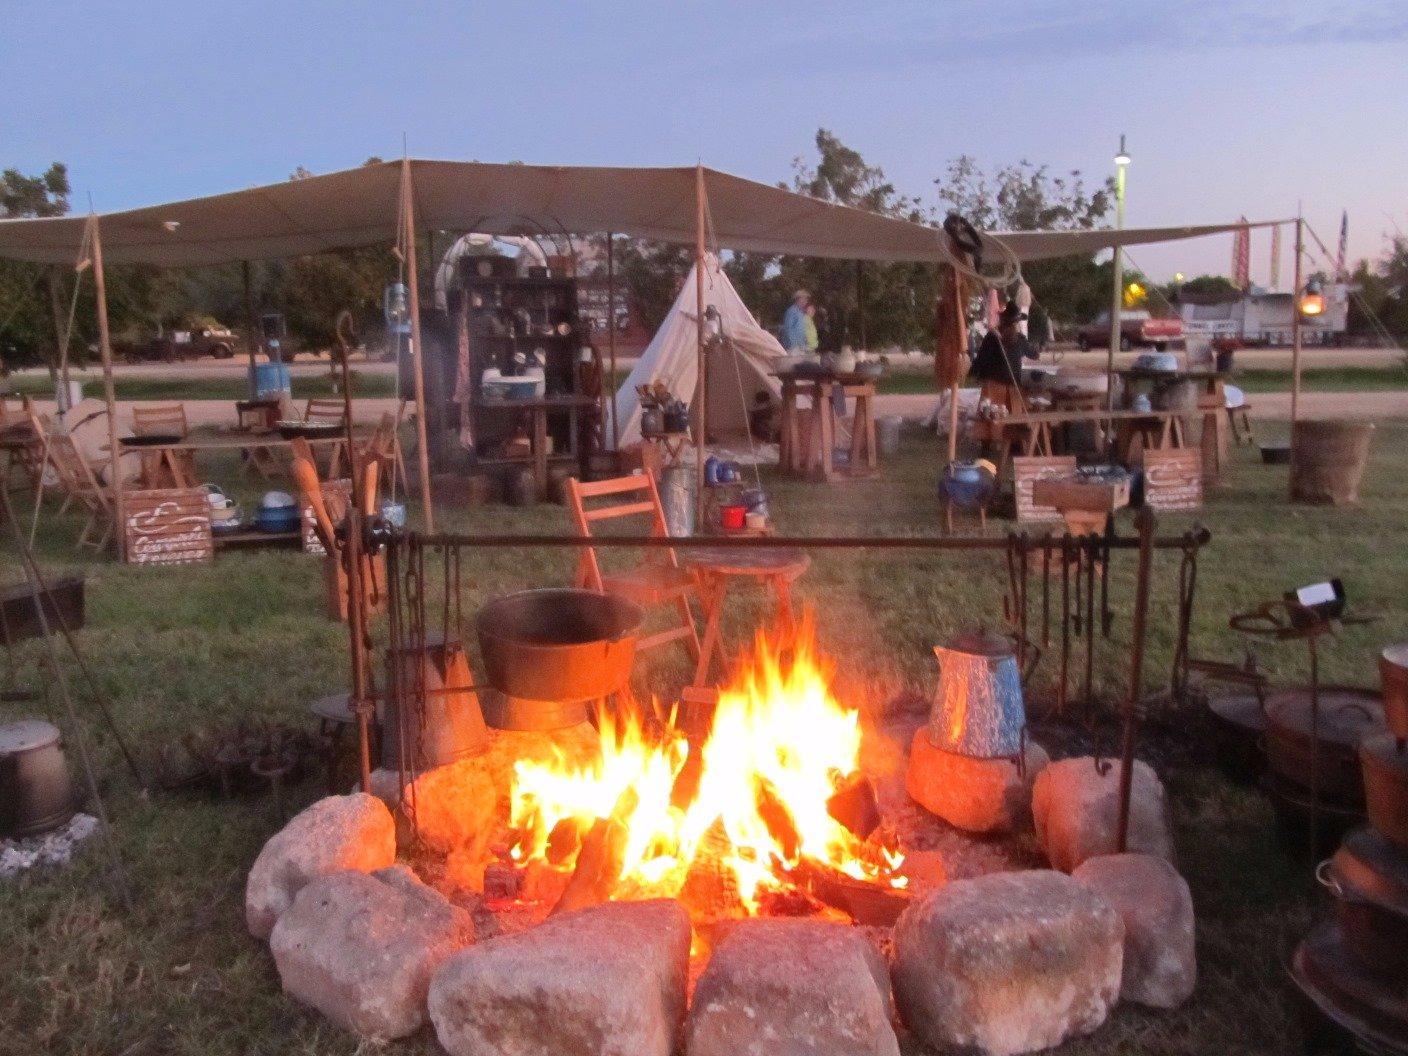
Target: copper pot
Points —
{"points": [[1368, 878], [1393, 675], [1384, 763]]}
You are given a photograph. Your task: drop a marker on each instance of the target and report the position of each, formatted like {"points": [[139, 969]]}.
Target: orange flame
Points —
{"points": [[779, 747]]}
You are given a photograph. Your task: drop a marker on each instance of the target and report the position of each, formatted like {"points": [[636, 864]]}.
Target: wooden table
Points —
{"points": [[1031, 433], [1212, 405], [537, 411], [807, 448], [715, 568], [165, 461]]}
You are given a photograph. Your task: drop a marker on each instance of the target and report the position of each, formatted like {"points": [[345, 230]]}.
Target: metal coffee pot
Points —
{"points": [[977, 709]]}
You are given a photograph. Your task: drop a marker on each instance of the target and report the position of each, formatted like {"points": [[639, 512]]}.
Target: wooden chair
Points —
{"points": [[1240, 422], [325, 409], [167, 419], [79, 483], [656, 581], [384, 448]]}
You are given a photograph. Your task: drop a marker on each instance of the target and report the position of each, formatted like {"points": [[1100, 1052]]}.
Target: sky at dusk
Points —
{"points": [[1231, 108]]}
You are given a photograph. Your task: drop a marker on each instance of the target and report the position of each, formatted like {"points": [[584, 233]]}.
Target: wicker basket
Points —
{"points": [[1327, 461]]}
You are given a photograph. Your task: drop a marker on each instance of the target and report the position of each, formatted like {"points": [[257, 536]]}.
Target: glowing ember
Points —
{"points": [[751, 807]]}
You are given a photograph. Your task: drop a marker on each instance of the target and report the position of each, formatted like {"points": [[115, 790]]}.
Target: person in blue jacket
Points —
{"points": [[794, 323]]}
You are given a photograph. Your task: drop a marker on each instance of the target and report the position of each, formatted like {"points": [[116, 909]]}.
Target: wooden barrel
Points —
{"points": [[1327, 461]]}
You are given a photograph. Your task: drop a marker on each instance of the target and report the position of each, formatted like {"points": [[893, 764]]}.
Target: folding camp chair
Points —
{"points": [[78, 483], [164, 468], [657, 580]]}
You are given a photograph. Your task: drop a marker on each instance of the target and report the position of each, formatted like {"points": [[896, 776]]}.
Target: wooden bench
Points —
{"points": [[1031, 434]]}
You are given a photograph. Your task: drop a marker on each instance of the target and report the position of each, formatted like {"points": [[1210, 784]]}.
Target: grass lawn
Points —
{"points": [[246, 636]]}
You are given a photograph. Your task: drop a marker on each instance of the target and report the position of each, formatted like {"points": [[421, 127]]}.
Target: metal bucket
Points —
{"points": [[442, 725], [36, 789]]}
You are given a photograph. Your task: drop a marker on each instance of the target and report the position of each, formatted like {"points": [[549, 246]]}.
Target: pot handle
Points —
{"points": [[1328, 882]]}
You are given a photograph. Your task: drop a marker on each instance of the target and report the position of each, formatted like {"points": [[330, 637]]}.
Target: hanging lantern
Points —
{"points": [[1312, 299]]}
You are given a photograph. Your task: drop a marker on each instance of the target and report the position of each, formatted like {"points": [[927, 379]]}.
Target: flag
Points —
{"points": [[1242, 257], [1275, 280], [1344, 246]]}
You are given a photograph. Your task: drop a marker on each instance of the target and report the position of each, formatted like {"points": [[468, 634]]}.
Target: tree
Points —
{"points": [[875, 304], [26, 314], [1028, 197]]}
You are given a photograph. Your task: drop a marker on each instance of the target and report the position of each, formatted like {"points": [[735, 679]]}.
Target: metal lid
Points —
{"points": [[26, 735], [1347, 714], [981, 642]]}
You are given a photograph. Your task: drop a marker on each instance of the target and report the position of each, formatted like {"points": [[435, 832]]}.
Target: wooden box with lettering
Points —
{"points": [[1173, 480], [1026, 471], [167, 526]]}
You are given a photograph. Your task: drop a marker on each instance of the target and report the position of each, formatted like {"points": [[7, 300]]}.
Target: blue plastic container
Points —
{"points": [[271, 380]]}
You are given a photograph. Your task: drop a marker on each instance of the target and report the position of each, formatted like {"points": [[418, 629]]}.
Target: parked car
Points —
{"points": [[1138, 329]]}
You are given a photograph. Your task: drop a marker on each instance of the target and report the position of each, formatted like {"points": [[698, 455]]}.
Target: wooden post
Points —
{"points": [[417, 359], [109, 390], [701, 419], [58, 369], [611, 335]]}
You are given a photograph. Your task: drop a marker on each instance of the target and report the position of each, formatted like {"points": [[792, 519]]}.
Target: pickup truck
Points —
{"points": [[1138, 329], [180, 344]]}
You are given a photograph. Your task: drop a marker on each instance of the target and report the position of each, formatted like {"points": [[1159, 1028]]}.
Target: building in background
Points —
{"points": [[1263, 317]]}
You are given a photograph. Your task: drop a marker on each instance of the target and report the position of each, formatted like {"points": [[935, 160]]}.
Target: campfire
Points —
{"points": [[764, 812]]}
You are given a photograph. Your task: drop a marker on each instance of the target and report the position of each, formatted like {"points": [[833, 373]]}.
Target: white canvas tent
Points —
{"points": [[739, 367]]}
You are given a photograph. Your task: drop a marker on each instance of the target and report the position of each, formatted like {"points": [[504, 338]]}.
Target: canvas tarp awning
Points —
{"points": [[359, 207], [739, 368]]}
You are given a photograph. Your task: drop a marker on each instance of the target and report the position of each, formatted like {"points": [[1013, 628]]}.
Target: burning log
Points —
{"points": [[544, 881], [503, 881], [598, 867], [777, 818], [867, 902], [565, 841], [853, 805], [710, 888]]}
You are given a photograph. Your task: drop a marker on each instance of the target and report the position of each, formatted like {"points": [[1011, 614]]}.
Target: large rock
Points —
{"points": [[362, 949], [976, 795], [1076, 810], [605, 981], [792, 988], [456, 804], [1007, 963], [1160, 962], [336, 833]]}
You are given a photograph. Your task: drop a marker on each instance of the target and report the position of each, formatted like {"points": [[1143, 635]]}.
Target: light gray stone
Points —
{"points": [[335, 833], [792, 988], [976, 795], [1007, 963], [362, 949], [1076, 811], [1160, 958], [604, 981]]}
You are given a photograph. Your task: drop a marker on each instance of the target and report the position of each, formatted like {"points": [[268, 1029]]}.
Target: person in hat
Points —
{"points": [[794, 323], [997, 366]]}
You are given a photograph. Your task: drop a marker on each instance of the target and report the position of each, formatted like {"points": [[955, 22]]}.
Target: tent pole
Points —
{"points": [[417, 359], [109, 390], [58, 368], [1295, 332], [1117, 297], [611, 335], [702, 386], [252, 341]]}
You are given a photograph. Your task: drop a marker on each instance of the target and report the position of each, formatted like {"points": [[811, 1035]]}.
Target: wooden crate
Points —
{"points": [[167, 526], [1026, 471]]}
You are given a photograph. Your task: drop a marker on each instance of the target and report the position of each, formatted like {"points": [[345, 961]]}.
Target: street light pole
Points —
{"points": [[1117, 297]]}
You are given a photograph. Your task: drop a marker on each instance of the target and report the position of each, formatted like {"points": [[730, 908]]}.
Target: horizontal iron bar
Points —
{"points": [[1195, 538]]}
